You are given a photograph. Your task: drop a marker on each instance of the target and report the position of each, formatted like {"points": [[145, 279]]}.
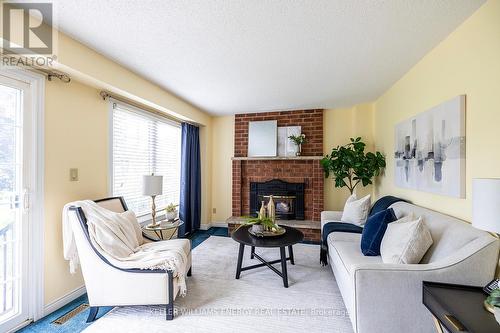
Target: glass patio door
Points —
{"points": [[15, 133]]}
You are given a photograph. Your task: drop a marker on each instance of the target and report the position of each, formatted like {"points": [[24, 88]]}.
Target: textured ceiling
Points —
{"points": [[233, 56]]}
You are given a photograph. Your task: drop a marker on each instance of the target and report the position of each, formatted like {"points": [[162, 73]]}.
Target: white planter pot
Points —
{"points": [[171, 215]]}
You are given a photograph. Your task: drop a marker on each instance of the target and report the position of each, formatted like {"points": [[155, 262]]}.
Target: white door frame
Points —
{"points": [[35, 195]]}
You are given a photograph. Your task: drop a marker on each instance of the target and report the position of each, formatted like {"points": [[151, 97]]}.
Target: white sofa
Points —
{"points": [[388, 297]]}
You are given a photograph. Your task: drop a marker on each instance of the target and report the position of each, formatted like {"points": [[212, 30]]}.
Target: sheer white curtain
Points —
{"points": [[143, 143]]}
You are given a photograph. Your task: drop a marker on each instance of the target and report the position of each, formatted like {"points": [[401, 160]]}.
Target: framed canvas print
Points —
{"points": [[286, 147], [291, 147], [262, 138], [430, 150], [282, 141]]}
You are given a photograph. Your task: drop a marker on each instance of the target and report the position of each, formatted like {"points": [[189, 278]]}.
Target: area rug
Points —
{"points": [[257, 302]]}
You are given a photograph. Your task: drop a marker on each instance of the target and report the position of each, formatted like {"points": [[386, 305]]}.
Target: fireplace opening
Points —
{"points": [[288, 198], [284, 204]]}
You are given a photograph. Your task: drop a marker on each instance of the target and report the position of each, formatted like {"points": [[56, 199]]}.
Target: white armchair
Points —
{"points": [[108, 285]]}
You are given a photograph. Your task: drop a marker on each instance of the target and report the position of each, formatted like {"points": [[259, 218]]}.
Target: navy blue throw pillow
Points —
{"points": [[374, 231]]}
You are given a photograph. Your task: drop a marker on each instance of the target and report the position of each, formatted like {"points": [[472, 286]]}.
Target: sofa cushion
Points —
{"points": [[343, 237], [374, 230], [405, 242], [350, 255], [356, 210]]}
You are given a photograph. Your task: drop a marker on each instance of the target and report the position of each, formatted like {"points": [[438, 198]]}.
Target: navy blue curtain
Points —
{"points": [[190, 200]]}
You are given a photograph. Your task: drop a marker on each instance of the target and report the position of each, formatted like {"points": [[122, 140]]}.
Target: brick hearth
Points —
{"points": [[305, 169]]}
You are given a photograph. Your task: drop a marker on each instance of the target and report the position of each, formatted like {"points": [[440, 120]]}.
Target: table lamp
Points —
{"points": [[486, 204], [486, 208], [152, 186]]}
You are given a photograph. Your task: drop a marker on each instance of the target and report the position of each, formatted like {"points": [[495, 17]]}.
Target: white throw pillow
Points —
{"points": [[405, 242], [356, 210], [408, 218]]}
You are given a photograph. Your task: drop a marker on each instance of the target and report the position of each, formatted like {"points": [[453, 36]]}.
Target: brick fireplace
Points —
{"points": [[305, 169]]}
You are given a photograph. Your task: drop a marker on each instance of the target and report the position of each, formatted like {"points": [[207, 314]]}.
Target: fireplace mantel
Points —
{"points": [[277, 158]]}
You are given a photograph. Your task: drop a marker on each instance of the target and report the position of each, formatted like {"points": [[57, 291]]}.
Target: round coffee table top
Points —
{"points": [[290, 237]]}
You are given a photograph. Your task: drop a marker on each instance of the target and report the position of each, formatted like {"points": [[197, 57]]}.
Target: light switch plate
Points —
{"points": [[214, 210], [73, 174]]}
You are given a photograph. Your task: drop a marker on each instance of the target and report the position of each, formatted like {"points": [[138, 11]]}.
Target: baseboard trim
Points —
{"points": [[62, 301], [217, 224], [205, 226]]}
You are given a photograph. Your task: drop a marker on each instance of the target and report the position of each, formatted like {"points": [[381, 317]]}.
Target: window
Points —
{"points": [[144, 143]]}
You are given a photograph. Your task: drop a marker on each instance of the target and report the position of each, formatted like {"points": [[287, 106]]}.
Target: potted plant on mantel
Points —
{"points": [[350, 165], [298, 140]]}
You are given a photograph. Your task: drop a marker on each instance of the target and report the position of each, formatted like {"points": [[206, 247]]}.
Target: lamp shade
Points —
{"points": [[152, 185], [486, 204]]}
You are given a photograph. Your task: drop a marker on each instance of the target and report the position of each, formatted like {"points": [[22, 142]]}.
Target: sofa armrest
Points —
{"points": [[330, 216], [396, 289]]}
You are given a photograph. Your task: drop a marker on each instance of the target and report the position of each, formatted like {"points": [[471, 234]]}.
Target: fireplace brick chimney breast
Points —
{"points": [[306, 169]]}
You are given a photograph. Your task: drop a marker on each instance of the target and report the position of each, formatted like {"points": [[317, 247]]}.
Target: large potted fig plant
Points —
{"points": [[350, 165]]}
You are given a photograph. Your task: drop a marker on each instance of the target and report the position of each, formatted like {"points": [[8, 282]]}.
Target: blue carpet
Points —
{"points": [[200, 235], [77, 323]]}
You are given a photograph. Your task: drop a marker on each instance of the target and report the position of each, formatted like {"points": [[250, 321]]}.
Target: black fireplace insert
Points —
{"points": [[288, 198]]}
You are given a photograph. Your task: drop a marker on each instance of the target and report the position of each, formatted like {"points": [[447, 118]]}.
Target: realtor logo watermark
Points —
{"points": [[28, 36]]}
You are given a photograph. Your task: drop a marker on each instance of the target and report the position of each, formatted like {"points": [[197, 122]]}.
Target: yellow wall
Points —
{"points": [[76, 135], [223, 150], [466, 62], [338, 126], [76, 130]]}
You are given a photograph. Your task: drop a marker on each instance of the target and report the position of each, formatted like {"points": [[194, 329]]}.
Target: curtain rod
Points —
{"points": [[50, 74], [106, 95]]}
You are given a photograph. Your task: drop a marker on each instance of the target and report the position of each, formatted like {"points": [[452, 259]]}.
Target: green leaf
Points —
{"points": [[351, 161], [494, 298]]}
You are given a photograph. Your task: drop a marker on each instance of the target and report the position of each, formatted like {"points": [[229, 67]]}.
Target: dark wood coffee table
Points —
{"points": [[288, 239]]}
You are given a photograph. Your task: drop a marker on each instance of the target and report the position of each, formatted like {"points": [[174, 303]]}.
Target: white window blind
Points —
{"points": [[143, 144]]}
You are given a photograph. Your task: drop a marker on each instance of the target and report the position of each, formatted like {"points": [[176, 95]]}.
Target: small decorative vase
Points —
{"points": [[258, 228], [271, 209], [299, 150], [171, 215], [262, 212]]}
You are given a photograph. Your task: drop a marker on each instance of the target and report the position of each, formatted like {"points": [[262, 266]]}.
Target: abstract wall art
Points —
{"points": [[430, 150]]}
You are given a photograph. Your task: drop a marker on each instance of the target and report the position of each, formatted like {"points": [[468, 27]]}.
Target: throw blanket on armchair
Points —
{"points": [[118, 238], [337, 226]]}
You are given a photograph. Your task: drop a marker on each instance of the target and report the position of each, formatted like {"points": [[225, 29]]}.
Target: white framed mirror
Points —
{"points": [[262, 138]]}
